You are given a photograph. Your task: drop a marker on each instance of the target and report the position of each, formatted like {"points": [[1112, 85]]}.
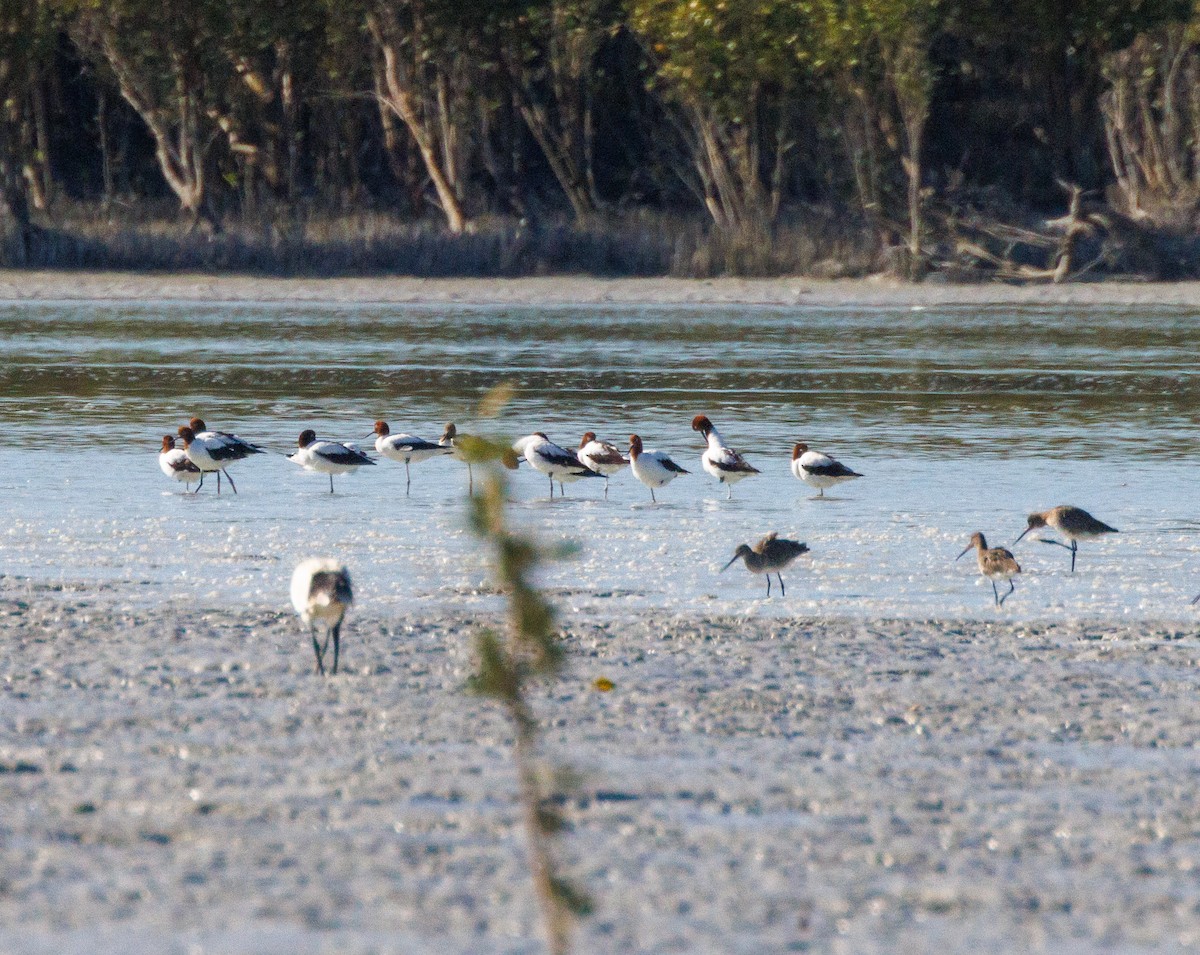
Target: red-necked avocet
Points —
{"points": [[652, 468], [175, 464], [406, 448], [327, 457], [1074, 523], [560, 464], [213, 453], [769, 556], [819, 470], [454, 440], [718, 459], [601, 457], [995, 563], [321, 595], [231, 447]]}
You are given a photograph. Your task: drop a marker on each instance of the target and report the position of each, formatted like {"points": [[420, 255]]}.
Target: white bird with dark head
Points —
{"points": [[819, 470], [327, 457], [174, 463], [406, 448], [652, 468], [718, 459], [216, 448], [321, 594], [601, 457], [560, 464]]}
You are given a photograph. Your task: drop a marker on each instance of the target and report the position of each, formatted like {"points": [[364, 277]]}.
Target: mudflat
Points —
{"points": [[180, 781], [19, 285]]}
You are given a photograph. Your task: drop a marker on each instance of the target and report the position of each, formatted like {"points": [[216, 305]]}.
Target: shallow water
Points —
{"points": [[962, 419]]}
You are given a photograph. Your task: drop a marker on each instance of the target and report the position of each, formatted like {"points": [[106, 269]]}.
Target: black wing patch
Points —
{"points": [[836, 469], [345, 456]]}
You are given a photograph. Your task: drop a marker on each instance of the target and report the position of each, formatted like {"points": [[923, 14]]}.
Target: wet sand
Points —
{"points": [[120, 286], [181, 782]]}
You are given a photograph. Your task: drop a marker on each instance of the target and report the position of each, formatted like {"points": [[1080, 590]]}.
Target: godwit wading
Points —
{"points": [[995, 563], [769, 556], [1074, 523]]}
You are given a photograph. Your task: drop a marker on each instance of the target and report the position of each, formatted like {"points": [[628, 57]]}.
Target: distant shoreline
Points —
{"points": [[18, 286]]}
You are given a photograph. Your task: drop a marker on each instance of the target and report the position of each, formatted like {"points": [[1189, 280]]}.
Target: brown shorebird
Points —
{"points": [[321, 594], [601, 457], [769, 556], [718, 459], [1074, 523], [819, 470], [995, 563]]}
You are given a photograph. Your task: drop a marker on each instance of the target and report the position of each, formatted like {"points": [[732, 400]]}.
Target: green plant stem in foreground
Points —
{"points": [[527, 650]]}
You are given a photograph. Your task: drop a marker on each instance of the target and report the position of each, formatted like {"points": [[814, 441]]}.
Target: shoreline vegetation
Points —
{"points": [[974, 140]]}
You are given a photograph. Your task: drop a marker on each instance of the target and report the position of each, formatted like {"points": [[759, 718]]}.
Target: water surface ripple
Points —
{"points": [[962, 419]]}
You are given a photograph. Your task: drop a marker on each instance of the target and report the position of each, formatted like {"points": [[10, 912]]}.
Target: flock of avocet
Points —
{"points": [[211, 452]]}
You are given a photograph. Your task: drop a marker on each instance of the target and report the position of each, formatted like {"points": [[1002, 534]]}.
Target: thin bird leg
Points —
{"points": [[1196, 600], [562, 489], [552, 487], [1047, 540], [1074, 549], [331, 484], [996, 594], [782, 591], [227, 478], [729, 496], [407, 478], [820, 492], [336, 642], [200, 485], [654, 500], [470, 481], [606, 487], [768, 584], [1011, 588], [317, 650]]}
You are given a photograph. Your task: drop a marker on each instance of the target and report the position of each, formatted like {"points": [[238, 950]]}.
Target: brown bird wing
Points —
{"points": [[762, 545]]}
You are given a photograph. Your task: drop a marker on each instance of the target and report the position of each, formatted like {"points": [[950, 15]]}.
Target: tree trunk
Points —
{"points": [[400, 97]]}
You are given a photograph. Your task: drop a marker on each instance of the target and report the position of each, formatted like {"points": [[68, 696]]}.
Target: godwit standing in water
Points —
{"points": [[321, 595], [1074, 523], [452, 439], [327, 457], [212, 453], [819, 470], [559, 463], [175, 464], [405, 447], [601, 457], [769, 556], [652, 468], [719, 460], [995, 563]]}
